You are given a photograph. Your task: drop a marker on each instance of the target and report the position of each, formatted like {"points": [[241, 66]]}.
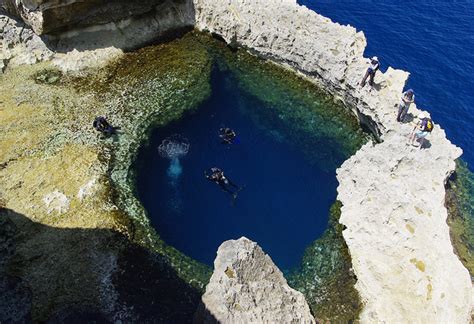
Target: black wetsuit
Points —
{"points": [[103, 126], [217, 175], [228, 135]]}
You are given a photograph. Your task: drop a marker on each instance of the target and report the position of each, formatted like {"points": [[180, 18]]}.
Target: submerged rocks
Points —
{"points": [[247, 287]]}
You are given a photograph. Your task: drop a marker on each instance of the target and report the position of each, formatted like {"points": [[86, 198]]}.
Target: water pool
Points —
{"points": [[285, 160]]}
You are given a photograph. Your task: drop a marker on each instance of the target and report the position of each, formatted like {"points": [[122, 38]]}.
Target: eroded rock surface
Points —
{"points": [[86, 34], [48, 16], [19, 44], [393, 194], [247, 287]]}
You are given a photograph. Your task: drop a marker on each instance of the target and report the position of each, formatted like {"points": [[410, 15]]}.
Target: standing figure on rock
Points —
{"points": [[408, 97], [370, 74], [422, 129]]}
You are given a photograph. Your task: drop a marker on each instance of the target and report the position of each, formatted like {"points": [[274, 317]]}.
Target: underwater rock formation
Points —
{"points": [[247, 287], [392, 195]]}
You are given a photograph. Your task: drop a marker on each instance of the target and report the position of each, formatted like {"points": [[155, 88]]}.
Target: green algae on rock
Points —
{"points": [[325, 276], [54, 171], [460, 205], [144, 90]]}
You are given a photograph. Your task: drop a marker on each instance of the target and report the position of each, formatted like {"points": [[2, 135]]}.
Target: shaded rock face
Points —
{"points": [[64, 275], [247, 287], [93, 24], [49, 16]]}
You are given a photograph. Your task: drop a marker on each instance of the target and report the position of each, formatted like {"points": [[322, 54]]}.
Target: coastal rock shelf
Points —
{"points": [[392, 194]]}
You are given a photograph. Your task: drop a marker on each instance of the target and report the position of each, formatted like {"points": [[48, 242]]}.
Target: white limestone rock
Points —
{"points": [[82, 63], [393, 194], [56, 201], [247, 287], [20, 45]]}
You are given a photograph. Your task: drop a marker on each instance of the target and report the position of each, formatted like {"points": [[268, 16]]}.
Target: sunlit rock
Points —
{"points": [[247, 287]]}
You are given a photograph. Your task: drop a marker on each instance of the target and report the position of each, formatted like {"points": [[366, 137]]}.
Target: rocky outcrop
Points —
{"points": [[392, 194], [247, 287], [20, 45], [53, 16]]}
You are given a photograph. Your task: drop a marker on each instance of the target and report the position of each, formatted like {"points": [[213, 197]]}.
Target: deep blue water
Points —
{"points": [[284, 205], [432, 39]]}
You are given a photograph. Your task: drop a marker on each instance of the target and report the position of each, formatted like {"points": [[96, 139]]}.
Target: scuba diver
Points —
{"points": [[102, 125], [217, 175], [227, 135]]}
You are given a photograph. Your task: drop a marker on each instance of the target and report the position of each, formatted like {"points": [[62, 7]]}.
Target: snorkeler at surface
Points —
{"points": [[227, 135], [217, 175]]}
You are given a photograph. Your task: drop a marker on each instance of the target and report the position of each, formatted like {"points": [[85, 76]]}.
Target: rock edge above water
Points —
{"points": [[392, 194], [247, 287]]}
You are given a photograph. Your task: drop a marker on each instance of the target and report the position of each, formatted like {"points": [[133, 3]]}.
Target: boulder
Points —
{"points": [[247, 287]]}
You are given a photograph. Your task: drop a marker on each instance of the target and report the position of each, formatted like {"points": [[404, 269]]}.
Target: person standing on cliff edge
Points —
{"points": [[408, 97], [370, 74]]}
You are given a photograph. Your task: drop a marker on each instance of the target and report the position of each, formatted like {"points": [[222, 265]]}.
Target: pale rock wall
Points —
{"points": [[247, 287], [20, 45], [393, 194]]}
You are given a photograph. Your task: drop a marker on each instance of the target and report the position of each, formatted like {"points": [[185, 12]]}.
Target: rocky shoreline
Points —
{"points": [[395, 223]]}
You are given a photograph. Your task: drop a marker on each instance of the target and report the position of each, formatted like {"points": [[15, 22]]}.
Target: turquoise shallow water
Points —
{"points": [[434, 41], [287, 175]]}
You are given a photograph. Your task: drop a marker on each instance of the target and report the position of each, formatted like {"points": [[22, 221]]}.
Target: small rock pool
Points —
{"points": [[290, 142]]}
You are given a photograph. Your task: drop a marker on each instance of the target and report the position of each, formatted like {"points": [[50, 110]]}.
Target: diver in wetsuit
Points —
{"points": [[102, 125], [217, 175], [227, 135]]}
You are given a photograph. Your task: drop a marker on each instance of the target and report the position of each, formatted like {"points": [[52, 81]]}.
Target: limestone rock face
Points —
{"points": [[247, 287], [20, 45], [89, 25], [86, 34], [47, 16], [392, 194]]}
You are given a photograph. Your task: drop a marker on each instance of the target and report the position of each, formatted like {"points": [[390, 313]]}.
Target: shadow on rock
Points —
{"points": [[61, 275]]}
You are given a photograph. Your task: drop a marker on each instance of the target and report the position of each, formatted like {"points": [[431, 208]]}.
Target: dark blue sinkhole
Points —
{"points": [[286, 197]]}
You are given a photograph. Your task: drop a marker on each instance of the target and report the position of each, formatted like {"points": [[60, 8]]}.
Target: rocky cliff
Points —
{"points": [[392, 194], [87, 31], [247, 287], [54, 16]]}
